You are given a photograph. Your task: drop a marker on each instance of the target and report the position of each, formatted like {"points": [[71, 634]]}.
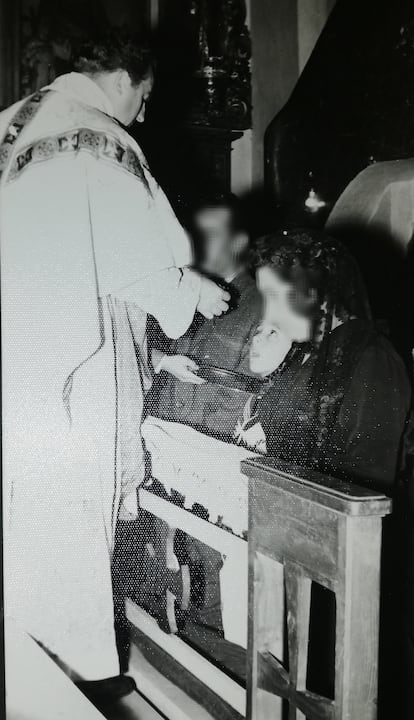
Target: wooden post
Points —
{"points": [[324, 531]]}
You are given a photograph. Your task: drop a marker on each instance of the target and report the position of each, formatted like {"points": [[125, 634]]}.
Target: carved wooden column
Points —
{"points": [[211, 149], [323, 531]]}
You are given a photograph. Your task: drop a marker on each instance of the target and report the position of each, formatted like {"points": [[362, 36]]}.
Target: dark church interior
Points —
{"points": [[257, 586]]}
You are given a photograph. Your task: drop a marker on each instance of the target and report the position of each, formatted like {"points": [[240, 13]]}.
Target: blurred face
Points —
{"points": [[278, 310], [269, 347], [220, 247], [129, 100]]}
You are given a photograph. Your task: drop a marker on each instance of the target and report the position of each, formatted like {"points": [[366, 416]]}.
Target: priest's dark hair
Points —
{"points": [[115, 49]]}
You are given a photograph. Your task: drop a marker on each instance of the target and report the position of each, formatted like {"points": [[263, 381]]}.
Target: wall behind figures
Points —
{"points": [[284, 33]]}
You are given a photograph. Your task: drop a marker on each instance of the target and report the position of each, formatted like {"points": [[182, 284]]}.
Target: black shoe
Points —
{"points": [[103, 693]]}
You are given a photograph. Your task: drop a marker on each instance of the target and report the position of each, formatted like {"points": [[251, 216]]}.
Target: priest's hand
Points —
{"points": [[213, 299], [182, 368]]}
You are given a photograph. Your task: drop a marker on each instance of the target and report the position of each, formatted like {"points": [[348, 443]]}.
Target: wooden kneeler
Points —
{"points": [[325, 531]]}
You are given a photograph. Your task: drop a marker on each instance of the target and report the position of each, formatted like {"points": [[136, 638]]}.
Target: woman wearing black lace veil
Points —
{"points": [[339, 401]]}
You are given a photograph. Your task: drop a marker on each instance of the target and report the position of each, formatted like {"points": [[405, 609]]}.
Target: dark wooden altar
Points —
{"points": [[202, 97], [189, 160], [211, 149]]}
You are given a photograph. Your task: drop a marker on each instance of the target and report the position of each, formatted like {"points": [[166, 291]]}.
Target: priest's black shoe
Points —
{"points": [[103, 693]]}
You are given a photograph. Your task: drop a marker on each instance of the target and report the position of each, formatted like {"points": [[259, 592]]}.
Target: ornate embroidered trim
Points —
{"points": [[25, 113], [97, 143]]}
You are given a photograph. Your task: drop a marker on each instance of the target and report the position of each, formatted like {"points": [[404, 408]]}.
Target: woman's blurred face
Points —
{"points": [[278, 310], [269, 347]]}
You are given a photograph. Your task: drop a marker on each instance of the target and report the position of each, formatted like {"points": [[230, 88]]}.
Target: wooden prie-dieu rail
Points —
{"points": [[306, 571], [321, 531]]}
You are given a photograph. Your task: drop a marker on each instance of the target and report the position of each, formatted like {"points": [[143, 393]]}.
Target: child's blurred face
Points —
{"points": [[269, 347], [214, 228]]}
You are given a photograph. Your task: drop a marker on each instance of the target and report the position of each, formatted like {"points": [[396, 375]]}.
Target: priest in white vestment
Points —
{"points": [[89, 246]]}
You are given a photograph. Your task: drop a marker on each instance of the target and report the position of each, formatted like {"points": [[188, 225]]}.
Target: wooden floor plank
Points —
{"points": [[212, 677], [172, 702]]}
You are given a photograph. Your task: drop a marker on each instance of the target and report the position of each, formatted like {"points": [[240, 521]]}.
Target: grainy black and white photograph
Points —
{"points": [[207, 359]]}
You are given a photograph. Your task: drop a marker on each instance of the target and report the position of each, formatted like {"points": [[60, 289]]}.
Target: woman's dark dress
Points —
{"points": [[351, 423]]}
